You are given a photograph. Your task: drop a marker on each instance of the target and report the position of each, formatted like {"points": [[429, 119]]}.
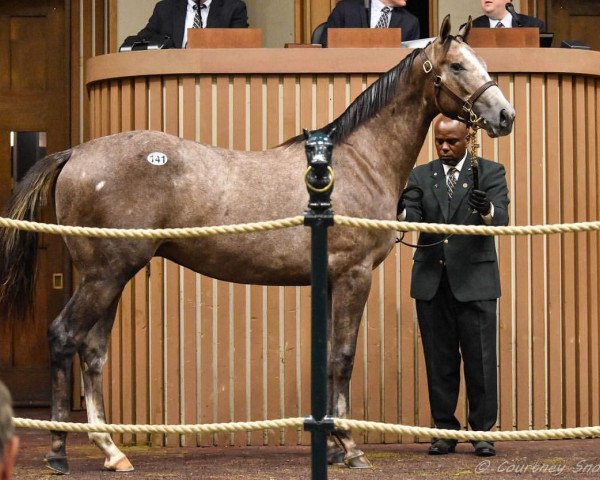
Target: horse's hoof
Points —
{"points": [[336, 458], [358, 461], [57, 464], [120, 465]]}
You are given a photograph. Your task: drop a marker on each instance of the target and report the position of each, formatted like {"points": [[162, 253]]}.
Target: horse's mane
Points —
{"points": [[367, 104]]}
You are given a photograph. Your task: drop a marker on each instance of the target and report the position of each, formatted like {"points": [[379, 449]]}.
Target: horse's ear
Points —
{"points": [[445, 28], [306, 133], [466, 29]]}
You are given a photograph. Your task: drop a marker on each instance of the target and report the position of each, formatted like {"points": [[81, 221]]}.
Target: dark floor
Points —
{"points": [[566, 459]]}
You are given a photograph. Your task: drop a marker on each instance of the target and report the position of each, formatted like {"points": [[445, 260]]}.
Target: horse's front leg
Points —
{"points": [[349, 296]]}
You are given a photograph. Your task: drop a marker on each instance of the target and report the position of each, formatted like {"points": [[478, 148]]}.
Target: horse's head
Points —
{"points": [[462, 86]]}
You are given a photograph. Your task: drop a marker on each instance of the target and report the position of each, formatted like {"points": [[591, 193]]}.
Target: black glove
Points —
{"points": [[479, 202]]}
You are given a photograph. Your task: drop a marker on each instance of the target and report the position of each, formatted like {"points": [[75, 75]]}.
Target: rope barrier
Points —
{"points": [[177, 429], [340, 220], [149, 233], [344, 221], [298, 422]]}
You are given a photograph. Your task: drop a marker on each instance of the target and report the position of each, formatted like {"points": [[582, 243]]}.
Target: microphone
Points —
{"points": [[511, 9]]}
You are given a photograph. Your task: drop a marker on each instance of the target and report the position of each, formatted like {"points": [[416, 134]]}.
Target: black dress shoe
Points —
{"points": [[484, 449], [441, 446]]}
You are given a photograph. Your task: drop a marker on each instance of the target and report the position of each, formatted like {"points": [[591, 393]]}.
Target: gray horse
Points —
{"points": [[154, 180]]}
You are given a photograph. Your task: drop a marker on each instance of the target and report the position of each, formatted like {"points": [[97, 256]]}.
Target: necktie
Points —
{"points": [[499, 25], [384, 19], [451, 181], [198, 16]]}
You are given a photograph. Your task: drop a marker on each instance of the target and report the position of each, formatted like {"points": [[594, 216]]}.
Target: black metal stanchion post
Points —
{"points": [[319, 182]]}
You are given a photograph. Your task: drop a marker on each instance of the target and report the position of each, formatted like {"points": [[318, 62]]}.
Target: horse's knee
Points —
{"points": [[342, 364], [61, 342]]}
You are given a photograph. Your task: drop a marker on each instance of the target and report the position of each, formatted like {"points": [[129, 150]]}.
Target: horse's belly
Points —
{"points": [[267, 261]]}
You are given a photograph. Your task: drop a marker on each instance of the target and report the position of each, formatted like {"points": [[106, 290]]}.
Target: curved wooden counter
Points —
{"points": [[189, 349]]}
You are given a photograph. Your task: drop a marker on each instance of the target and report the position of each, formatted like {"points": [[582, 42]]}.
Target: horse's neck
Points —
{"points": [[389, 143]]}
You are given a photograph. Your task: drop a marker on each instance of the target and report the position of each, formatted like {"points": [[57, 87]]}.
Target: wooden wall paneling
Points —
{"points": [[290, 327], [190, 302], [272, 379], [581, 246], [305, 117], [358, 385], [208, 291], [222, 325], [538, 253], [157, 293], [76, 66], [522, 254], [86, 52], [596, 214], [592, 158], [257, 131], [391, 315], [172, 327], [98, 30], [372, 326], [141, 289], [505, 263], [421, 399], [568, 257], [241, 373], [554, 252]]}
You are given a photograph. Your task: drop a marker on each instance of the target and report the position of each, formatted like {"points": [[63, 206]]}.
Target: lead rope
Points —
{"points": [[474, 148]]}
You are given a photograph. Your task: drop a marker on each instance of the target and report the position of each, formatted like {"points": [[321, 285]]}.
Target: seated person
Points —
{"points": [[496, 13], [381, 14], [172, 18]]}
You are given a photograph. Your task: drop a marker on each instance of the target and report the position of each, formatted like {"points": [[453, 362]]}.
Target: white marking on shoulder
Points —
{"points": [[157, 158], [100, 185]]}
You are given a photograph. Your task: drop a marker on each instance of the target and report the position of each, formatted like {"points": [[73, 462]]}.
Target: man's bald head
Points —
{"points": [[451, 139]]}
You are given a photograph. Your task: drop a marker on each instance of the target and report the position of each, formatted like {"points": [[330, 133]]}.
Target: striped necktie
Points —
{"points": [[198, 17], [384, 18], [451, 181]]}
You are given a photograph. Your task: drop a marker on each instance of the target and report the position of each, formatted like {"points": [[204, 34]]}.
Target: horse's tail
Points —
{"points": [[18, 248]]}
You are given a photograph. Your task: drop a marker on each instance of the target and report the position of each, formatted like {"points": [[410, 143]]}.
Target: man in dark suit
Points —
{"points": [[456, 282], [379, 14], [496, 14], [172, 18]]}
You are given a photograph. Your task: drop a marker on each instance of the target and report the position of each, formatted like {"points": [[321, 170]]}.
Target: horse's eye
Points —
{"points": [[456, 67]]}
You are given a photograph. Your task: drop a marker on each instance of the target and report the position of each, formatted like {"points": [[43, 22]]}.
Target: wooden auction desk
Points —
{"points": [[189, 349]]}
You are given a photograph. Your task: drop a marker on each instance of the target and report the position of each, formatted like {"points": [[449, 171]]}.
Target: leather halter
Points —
{"points": [[466, 105]]}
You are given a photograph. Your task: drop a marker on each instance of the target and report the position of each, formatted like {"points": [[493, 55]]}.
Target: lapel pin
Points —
{"points": [[465, 185]]}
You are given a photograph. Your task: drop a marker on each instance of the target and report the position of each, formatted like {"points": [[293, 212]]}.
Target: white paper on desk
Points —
{"points": [[419, 43]]}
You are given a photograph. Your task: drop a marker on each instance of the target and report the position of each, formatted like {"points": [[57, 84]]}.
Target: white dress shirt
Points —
{"points": [[191, 13], [506, 21], [376, 7]]}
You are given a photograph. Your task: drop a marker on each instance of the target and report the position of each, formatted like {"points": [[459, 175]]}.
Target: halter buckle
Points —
{"points": [[468, 107], [427, 66]]}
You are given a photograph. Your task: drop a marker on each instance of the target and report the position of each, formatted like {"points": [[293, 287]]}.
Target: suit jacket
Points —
{"points": [[168, 18], [526, 21], [353, 14], [470, 260]]}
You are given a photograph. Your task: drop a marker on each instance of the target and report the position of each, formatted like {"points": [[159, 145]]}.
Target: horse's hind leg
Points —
{"points": [[94, 301], [93, 356], [349, 296]]}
